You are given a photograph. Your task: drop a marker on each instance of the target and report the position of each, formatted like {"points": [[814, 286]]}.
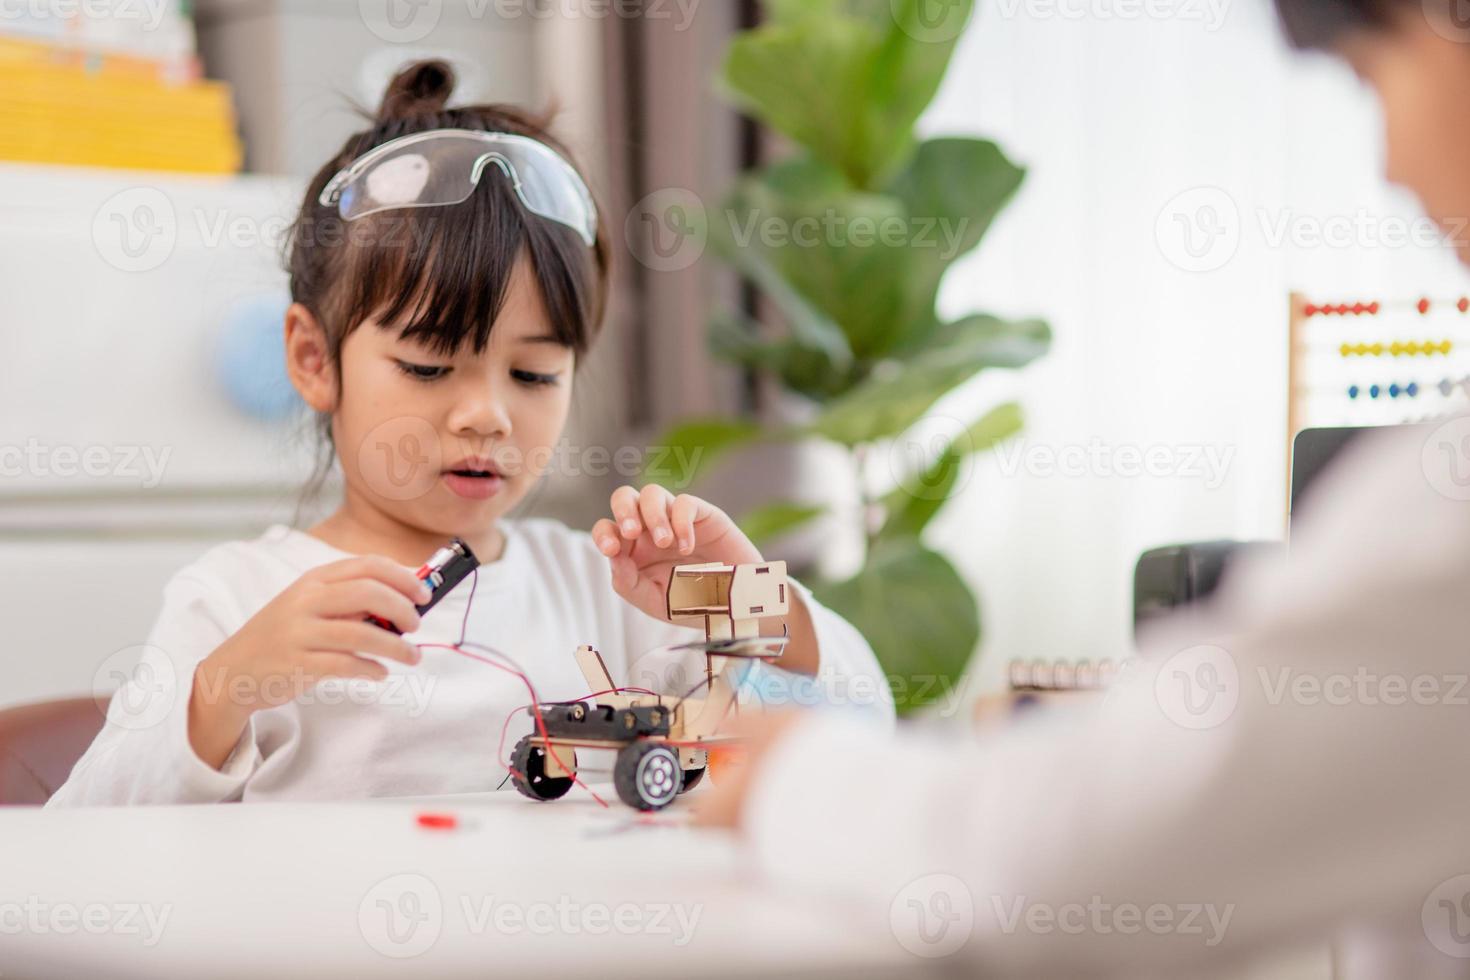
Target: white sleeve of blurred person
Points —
{"points": [[1297, 759]]}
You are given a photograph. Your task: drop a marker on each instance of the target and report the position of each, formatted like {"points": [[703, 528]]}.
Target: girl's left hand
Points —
{"points": [[652, 531]]}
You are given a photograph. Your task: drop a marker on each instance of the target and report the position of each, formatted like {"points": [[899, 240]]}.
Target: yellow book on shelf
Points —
{"points": [[52, 113]]}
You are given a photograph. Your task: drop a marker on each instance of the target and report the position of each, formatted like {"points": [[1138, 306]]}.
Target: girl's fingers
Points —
{"points": [[625, 511], [684, 513], [636, 588], [624, 576], [374, 567], [653, 504], [362, 597], [350, 636], [605, 536]]}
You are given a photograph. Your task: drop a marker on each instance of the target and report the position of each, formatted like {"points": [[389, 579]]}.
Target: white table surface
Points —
{"points": [[359, 889]]}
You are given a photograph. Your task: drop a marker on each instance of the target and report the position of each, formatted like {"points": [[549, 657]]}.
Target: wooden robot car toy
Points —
{"points": [[662, 740]]}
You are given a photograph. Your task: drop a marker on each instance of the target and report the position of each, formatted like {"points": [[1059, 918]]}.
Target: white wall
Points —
{"points": [[1115, 118]]}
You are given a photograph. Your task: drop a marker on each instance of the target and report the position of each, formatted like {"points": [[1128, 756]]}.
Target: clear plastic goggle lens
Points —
{"points": [[443, 166]]}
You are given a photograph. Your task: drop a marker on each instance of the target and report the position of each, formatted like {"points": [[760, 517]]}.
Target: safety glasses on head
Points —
{"points": [[444, 166]]}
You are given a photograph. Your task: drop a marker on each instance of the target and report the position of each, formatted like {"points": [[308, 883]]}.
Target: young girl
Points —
{"points": [[445, 283]]}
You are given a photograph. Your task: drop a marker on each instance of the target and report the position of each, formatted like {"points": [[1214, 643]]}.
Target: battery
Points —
{"points": [[445, 569]]}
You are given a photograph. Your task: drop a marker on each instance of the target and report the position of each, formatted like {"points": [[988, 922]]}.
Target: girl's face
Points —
{"points": [[1423, 83], [446, 445]]}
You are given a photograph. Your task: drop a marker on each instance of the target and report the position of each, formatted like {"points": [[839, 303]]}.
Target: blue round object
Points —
{"points": [[1413, 389], [1373, 391], [250, 359], [1352, 391]]}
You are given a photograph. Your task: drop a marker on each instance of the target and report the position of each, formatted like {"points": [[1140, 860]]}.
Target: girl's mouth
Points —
{"points": [[473, 483]]}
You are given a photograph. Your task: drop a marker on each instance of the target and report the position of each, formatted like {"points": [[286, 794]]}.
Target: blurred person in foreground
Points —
{"points": [[1292, 767]]}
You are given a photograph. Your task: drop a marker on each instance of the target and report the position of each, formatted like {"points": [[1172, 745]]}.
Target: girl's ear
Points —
{"points": [[309, 360]]}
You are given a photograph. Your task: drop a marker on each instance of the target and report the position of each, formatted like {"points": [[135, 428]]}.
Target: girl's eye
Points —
{"points": [[423, 372], [532, 379]]}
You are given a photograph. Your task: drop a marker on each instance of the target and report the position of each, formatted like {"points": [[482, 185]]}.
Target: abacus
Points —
{"points": [[1376, 362]]}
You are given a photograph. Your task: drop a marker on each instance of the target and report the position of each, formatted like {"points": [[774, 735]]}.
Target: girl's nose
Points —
{"points": [[480, 413]]}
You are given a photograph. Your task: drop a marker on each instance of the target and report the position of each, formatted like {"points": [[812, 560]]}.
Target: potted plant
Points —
{"points": [[846, 237]]}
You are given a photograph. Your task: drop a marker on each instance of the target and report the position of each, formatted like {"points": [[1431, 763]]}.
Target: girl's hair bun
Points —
{"points": [[421, 89]]}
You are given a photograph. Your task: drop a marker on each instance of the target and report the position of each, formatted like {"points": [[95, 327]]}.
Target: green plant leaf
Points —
{"points": [[770, 520], [917, 613], [955, 187], [686, 451], [884, 406], [735, 338], [848, 254], [995, 342], [913, 503], [843, 79], [809, 326], [783, 11]]}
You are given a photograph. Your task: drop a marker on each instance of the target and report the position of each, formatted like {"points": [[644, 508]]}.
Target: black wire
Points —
{"points": [[464, 625]]}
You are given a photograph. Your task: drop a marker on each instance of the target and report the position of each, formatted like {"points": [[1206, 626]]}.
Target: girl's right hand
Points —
{"points": [[316, 628]]}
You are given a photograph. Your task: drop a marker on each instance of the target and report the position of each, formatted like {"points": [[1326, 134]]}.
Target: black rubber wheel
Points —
{"points": [[692, 778], [647, 775], [529, 763]]}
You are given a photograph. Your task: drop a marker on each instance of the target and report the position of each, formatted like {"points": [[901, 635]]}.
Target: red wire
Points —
{"points": [[535, 708]]}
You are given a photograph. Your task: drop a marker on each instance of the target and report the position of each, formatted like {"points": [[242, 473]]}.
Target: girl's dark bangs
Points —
{"points": [[443, 273]]}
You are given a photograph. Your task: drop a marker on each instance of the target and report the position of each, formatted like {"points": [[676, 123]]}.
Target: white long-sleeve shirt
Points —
{"points": [[1296, 763], [434, 727]]}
